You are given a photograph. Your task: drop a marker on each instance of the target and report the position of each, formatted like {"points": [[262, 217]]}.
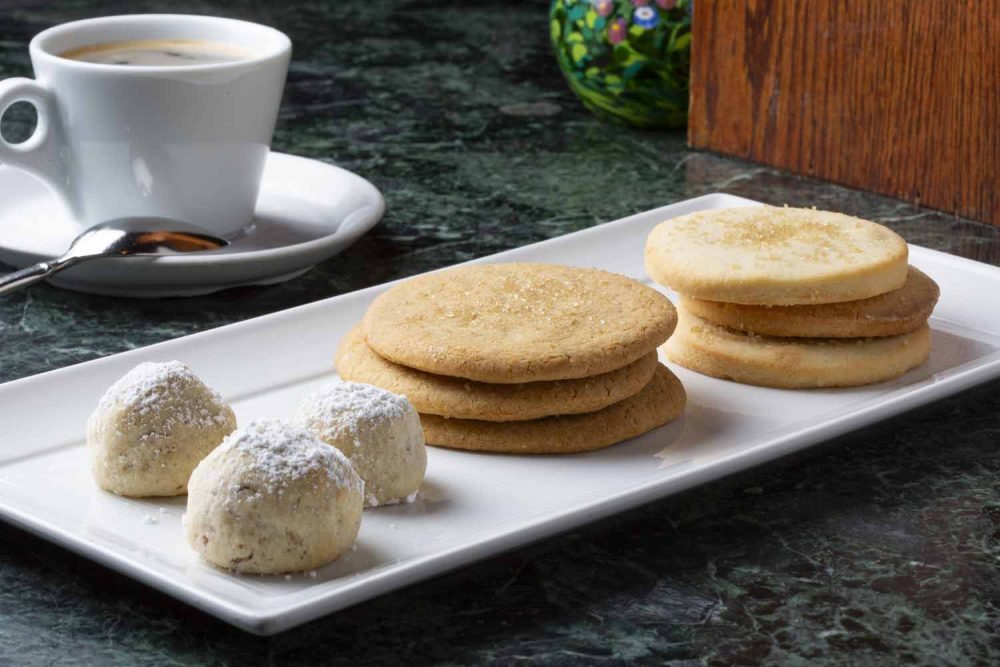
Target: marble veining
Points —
{"points": [[880, 548]]}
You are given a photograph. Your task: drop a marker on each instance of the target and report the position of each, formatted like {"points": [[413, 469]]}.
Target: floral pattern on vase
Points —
{"points": [[627, 60]]}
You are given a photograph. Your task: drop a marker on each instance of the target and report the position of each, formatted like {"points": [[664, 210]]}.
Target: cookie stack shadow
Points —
{"points": [[792, 298], [520, 358]]}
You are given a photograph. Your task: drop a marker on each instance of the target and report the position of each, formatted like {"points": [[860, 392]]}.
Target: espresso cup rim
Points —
{"points": [[40, 46]]}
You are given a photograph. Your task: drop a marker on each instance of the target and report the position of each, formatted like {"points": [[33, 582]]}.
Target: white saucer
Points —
{"points": [[307, 211]]}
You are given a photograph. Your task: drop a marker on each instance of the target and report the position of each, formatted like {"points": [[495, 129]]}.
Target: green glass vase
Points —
{"points": [[627, 60]]}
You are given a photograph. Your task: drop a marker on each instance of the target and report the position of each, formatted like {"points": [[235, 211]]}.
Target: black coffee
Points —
{"points": [[159, 53]]}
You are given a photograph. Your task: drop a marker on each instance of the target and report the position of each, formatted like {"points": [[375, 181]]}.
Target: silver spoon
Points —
{"points": [[125, 237]]}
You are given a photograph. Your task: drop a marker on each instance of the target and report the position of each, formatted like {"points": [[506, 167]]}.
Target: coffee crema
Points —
{"points": [[159, 53]]}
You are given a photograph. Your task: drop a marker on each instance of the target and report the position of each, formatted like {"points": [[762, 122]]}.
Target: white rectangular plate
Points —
{"points": [[472, 505]]}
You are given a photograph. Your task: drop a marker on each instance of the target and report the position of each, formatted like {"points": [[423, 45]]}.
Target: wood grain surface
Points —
{"points": [[897, 96]]}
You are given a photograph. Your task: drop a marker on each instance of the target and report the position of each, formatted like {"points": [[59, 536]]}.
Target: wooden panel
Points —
{"points": [[897, 96]]}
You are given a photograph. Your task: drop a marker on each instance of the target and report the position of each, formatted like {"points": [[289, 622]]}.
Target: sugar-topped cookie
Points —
{"points": [[660, 401], [769, 255], [891, 314], [379, 432], [152, 427], [467, 399], [509, 323], [793, 363], [273, 498]]}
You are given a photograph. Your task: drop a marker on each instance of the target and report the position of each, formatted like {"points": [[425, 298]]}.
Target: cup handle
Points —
{"points": [[39, 154]]}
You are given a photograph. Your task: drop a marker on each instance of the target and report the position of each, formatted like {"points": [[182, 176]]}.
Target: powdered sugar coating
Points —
{"points": [[272, 498], [379, 432], [345, 405], [152, 427], [147, 386], [278, 454]]}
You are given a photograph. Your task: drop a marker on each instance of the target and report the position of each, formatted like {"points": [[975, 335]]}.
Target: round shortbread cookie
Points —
{"points": [[467, 399], [793, 363], [890, 314], [768, 255], [661, 401], [509, 323]]}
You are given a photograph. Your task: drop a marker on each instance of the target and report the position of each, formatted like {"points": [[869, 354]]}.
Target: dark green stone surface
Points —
{"points": [[881, 548]]}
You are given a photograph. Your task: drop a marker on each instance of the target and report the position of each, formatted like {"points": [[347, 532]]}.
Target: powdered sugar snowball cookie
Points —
{"points": [[152, 427], [378, 430], [273, 498]]}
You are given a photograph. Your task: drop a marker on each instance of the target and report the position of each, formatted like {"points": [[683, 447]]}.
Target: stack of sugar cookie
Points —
{"points": [[794, 298], [521, 358]]}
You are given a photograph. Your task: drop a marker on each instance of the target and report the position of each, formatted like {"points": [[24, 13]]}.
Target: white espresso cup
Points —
{"points": [[185, 142]]}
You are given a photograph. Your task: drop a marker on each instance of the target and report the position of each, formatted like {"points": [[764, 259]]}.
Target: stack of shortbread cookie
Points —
{"points": [[526, 358], [795, 298]]}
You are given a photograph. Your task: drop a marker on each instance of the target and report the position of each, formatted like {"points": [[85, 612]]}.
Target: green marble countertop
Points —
{"points": [[882, 547]]}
